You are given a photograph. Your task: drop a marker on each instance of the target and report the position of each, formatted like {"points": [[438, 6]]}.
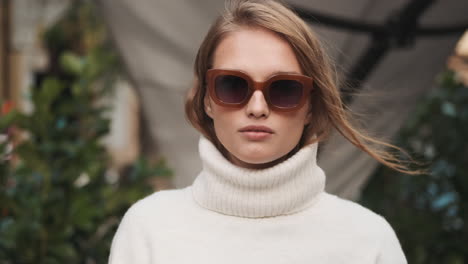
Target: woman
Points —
{"points": [[264, 97]]}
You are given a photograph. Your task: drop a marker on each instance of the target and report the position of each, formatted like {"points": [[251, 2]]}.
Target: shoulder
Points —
{"points": [[160, 203], [134, 237], [364, 229], [354, 216]]}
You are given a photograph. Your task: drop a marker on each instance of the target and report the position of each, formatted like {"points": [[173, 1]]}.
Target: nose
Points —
{"points": [[257, 106]]}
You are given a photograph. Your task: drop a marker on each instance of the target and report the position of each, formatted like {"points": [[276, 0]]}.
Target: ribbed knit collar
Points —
{"points": [[285, 188]]}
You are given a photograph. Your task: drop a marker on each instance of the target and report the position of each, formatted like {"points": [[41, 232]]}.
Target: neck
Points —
{"points": [[286, 187]]}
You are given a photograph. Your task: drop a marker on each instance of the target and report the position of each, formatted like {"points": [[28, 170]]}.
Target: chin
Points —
{"points": [[256, 154], [260, 160], [257, 160]]}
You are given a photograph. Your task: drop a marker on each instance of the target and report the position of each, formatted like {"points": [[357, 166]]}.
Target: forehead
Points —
{"points": [[256, 51]]}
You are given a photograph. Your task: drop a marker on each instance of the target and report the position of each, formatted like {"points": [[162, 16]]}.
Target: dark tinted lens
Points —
{"points": [[231, 89], [285, 93]]}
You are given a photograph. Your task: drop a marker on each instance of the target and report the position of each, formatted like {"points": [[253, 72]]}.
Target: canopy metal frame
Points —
{"points": [[400, 30]]}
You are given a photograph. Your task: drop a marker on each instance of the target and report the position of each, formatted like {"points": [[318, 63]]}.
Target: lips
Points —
{"points": [[256, 133], [263, 129]]}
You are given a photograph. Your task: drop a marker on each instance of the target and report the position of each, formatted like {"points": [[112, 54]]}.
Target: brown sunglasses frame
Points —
{"points": [[306, 82]]}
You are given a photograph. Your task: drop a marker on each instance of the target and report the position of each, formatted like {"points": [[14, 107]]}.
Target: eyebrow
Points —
{"points": [[284, 72], [271, 74]]}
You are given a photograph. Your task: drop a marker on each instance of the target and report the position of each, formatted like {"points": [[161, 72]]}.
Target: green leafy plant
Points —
{"points": [[60, 203], [430, 212]]}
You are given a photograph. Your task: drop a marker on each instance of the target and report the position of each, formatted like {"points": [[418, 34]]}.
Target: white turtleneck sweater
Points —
{"points": [[235, 215]]}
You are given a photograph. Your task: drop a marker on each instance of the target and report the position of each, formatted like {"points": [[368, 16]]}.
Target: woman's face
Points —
{"points": [[260, 53]]}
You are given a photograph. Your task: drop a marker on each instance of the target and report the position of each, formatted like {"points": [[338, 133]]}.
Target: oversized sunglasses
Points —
{"points": [[282, 92]]}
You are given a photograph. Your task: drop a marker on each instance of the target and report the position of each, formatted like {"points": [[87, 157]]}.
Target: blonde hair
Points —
{"points": [[326, 105]]}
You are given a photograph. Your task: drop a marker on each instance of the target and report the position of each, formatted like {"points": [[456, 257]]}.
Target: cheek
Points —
{"points": [[223, 120], [221, 128], [292, 131], [292, 126], [298, 119]]}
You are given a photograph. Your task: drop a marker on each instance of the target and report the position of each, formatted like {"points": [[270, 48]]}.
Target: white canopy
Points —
{"points": [[158, 41]]}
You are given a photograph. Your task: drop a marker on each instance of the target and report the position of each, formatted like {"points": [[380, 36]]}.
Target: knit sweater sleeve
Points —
{"points": [[390, 248], [130, 244]]}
